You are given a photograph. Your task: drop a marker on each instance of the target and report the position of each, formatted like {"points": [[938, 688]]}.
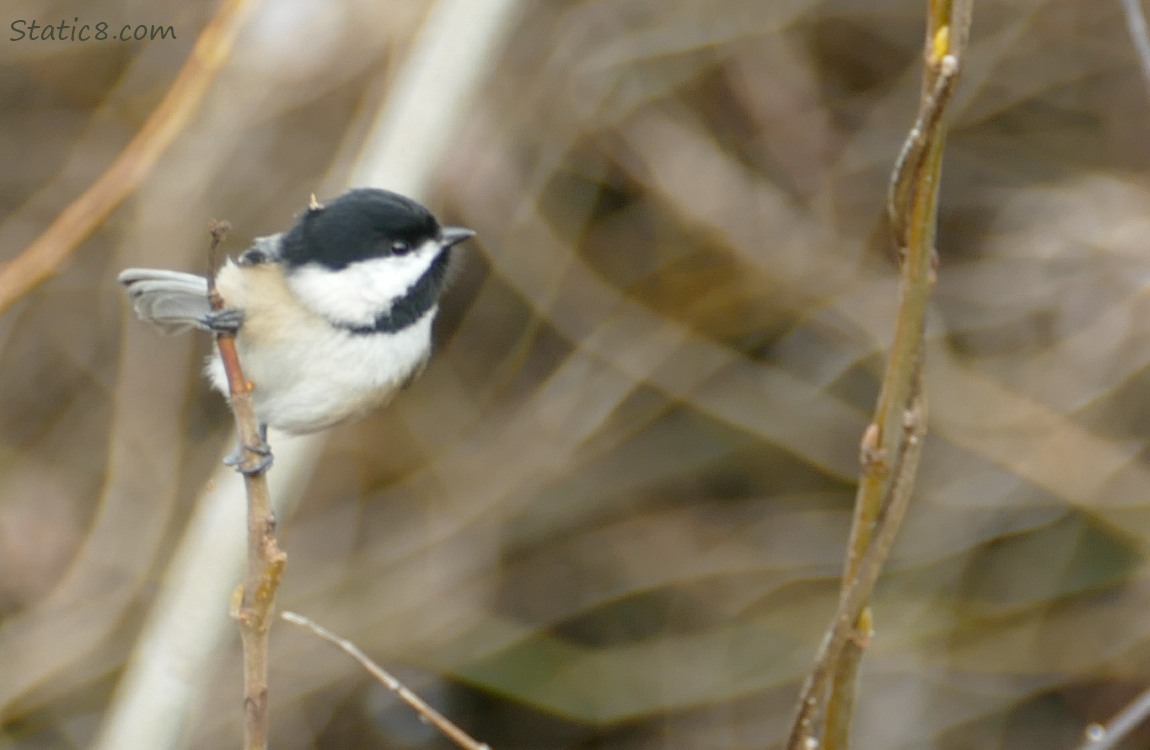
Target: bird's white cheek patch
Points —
{"points": [[358, 294]]}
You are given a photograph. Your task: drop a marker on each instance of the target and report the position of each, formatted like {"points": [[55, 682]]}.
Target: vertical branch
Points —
{"points": [[265, 560], [892, 443]]}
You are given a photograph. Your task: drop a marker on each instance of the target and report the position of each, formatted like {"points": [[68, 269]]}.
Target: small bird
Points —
{"points": [[331, 318]]}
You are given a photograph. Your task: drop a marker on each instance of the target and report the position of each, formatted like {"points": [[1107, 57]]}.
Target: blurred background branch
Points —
{"points": [[41, 258], [612, 512]]}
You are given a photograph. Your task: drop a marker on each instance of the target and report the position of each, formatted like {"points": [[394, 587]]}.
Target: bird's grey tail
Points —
{"points": [[170, 300]]}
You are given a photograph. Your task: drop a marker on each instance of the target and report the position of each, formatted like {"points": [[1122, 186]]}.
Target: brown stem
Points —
{"points": [[265, 562]]}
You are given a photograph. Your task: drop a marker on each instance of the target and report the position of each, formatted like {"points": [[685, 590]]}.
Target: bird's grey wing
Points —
{"points": [[170, 300]]}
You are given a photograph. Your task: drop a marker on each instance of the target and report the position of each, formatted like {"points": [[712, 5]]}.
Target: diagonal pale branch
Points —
{"points": [[426, 712], [37, 261], [892, 443], [1099, 737]]}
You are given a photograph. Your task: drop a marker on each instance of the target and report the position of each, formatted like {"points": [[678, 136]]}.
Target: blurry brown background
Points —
{"points": [[612, 513]]}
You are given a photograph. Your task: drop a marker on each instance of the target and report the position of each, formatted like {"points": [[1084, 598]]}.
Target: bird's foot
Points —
{"points": [[260, 464]]}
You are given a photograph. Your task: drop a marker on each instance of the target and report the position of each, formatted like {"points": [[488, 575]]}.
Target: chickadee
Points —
{"points": [[331, 317]]}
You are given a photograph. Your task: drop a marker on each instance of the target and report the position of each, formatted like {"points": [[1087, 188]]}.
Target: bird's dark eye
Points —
{"points": [[253, 257], [400, 247]]}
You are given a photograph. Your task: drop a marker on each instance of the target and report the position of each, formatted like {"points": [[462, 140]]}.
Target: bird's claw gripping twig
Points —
{"points": [[261, 449]]}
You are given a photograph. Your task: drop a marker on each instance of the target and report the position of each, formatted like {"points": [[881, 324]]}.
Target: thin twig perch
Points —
{"points": [[265, 561]]}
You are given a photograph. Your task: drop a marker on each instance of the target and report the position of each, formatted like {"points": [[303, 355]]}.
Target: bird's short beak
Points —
{"points": [[454, 235]]}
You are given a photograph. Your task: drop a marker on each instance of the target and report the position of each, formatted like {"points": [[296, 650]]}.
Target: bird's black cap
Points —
{"points": [[361, 224]]}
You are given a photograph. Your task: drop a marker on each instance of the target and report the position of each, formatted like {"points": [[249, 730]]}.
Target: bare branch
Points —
{"points": [[1100, 737], [892, 443], [433, 717], [266, 561]]}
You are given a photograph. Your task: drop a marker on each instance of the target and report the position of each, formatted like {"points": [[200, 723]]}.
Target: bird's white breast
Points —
{"points": [[308, 375]]}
